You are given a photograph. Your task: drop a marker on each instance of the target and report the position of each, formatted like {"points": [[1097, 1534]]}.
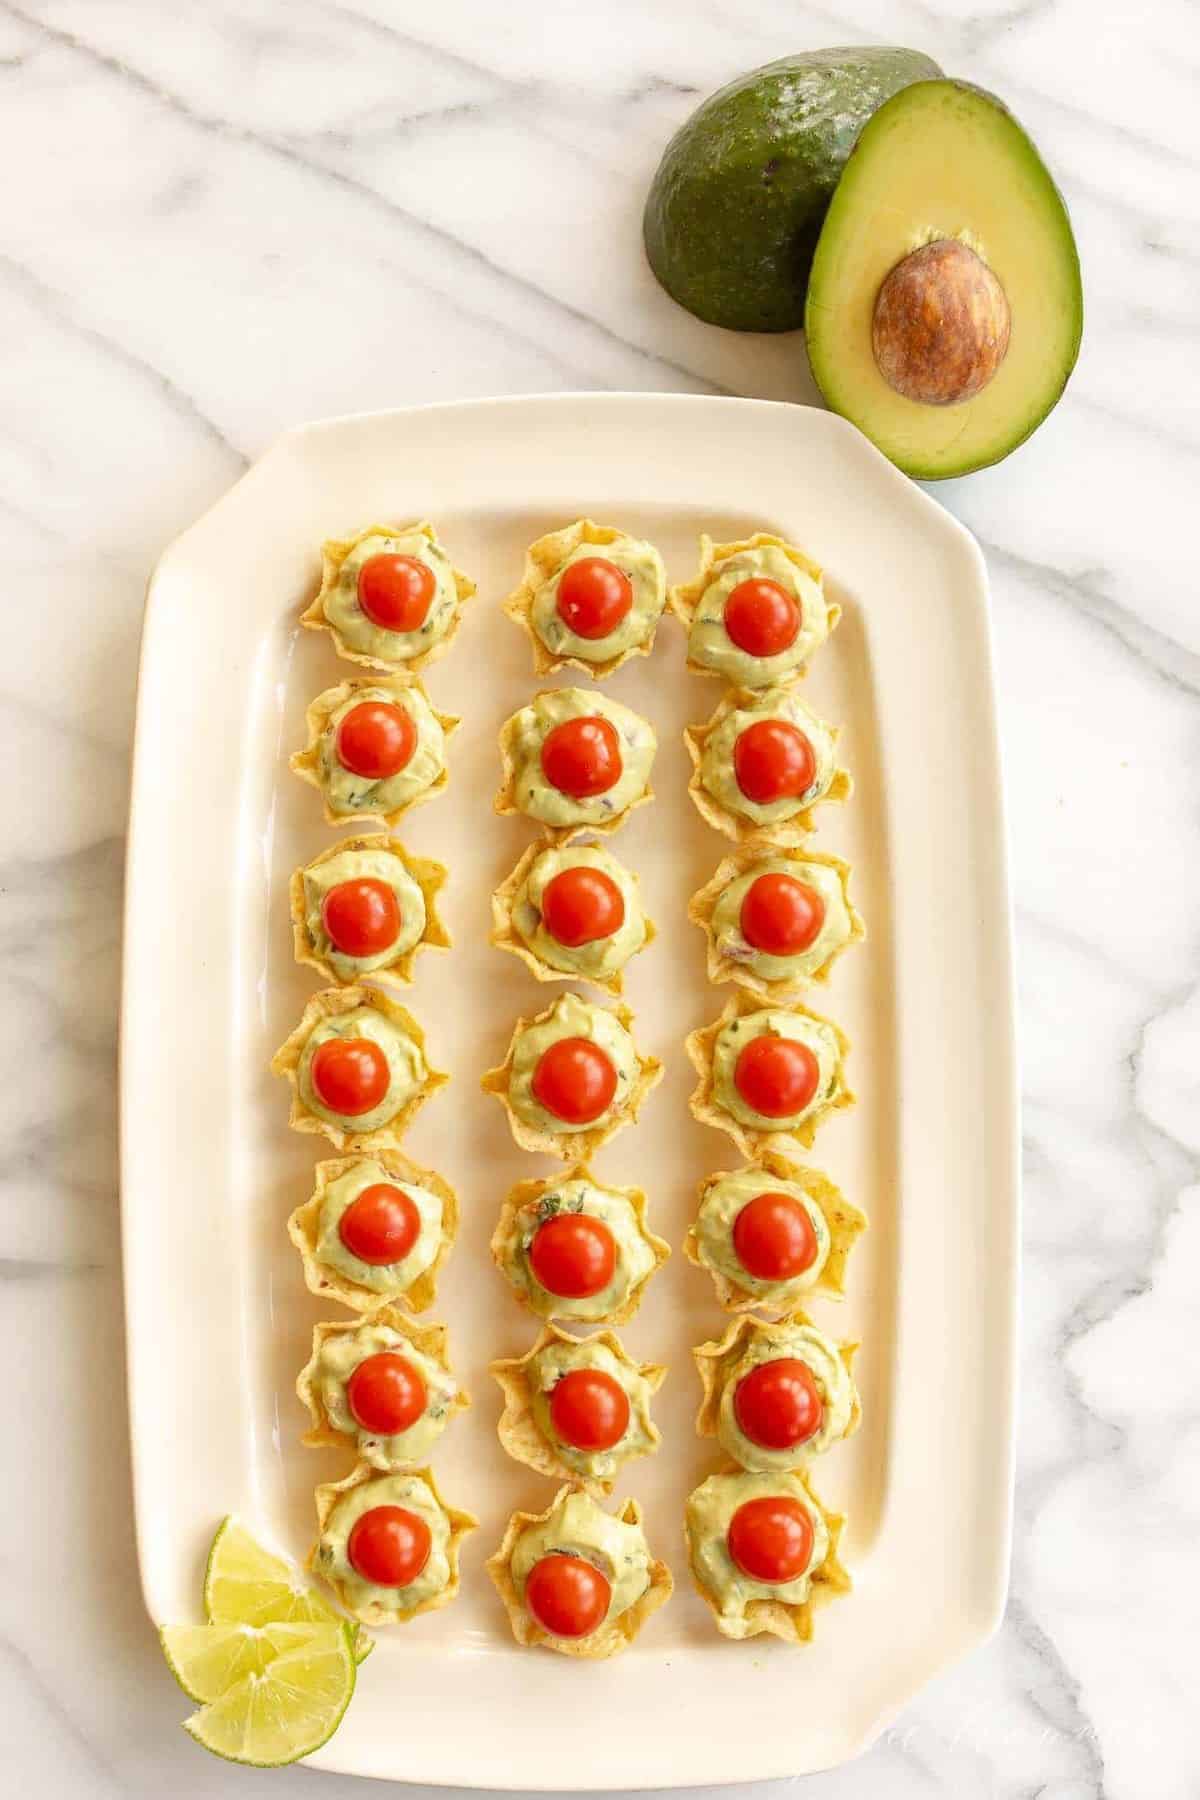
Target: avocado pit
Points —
{"points": [[941, 324]]}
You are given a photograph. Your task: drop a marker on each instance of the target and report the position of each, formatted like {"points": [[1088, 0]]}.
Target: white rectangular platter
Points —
{"points": [[219, 1319]]}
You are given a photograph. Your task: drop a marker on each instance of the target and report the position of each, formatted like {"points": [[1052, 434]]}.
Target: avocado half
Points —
{"points": [[735, 207], [945, 306]]}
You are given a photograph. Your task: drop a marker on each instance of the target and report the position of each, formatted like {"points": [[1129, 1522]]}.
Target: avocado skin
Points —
{"points": [[735, 209]]}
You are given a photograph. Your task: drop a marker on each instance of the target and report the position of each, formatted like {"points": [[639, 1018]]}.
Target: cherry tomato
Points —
{"points": [[589, 1409], [566, 1595], [773, 1237], [582, 904], [361, 917], [582, 757], [380, 1225], [385, 1393], [376, 739], [778, 1404], [593, 596], [771, 1539], [396, 592], [773, 760], [573, 1255], [389, 1546], [350, 1075], [776, 1076], [761, 617], [575, 1080], [781, 915]]}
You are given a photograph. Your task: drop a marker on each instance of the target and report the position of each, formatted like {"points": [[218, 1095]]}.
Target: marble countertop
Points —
{"points": [[221, 219]]}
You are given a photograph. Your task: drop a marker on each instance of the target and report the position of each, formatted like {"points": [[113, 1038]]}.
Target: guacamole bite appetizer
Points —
{"points": [[388, 1545], [390, 597], [577, 1579], [374, 749], [756, 613], [571, 912], [365, 907], [381, 1387], [768, 1074], [772, 1233], [376, 1229], [577, 1408], [761, 765], [763, 1553], [591, 598], [357, 1067], [775, 920], [575, 762], [576, 1249], [572, 1077], [775, 1395]]}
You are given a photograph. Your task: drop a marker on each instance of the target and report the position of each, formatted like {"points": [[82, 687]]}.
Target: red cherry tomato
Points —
{"points": [[771, 1539], [350, 1075], [396, 592], [389, 1546], [376, 739], [575, 1080], [589, 1409], [380, 1225], [761, 617], [362, 918], [773, 760], [778, 1404], [773, 1238], [573, 1255], [385, 1393], [593, 596], [781, 915], [582, 757], [566, 1595], [776, 1076], [582, 904]]}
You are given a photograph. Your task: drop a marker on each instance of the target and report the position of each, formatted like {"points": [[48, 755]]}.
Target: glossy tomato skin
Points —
{"points": [[581, 905], [776, 1076], [761, 617], [376, 739], [771, 1538], [361, 917], [396, 592], [573, 1255], [349, 1075], [778, 1404], [575, 1080], [781, 915], [566, 1595], [589, 1409], [582, 757], [594, 595], [380, 1225], [773, 760], [774, 1238], [389, 1546], [386, 1393]]}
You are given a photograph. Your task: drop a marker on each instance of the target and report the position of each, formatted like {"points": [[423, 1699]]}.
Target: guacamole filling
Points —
{"points": [[349, 794], [570, 1017], [578, 1527], [547, 1369], [534, 795], [359, 865], [634, 1261], [833, 936], [603, 957], [805, 1344], [384, 1279], [716, 763], [774, 1022], [643, 565], [709, 1512], [722, 1202], [337, 1360], [332, 1557], [710, 645], [344, 613], [407, 1069]]}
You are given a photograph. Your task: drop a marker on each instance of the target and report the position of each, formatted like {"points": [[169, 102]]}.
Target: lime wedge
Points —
{"points": [[289, 1708], [207, 1660], [246, 1585]]}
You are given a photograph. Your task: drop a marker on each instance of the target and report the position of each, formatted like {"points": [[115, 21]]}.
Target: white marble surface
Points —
{"points": [[220, 219]]}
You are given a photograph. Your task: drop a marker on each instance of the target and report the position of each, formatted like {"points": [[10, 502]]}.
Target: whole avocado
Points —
{"points": [[735, 208]]}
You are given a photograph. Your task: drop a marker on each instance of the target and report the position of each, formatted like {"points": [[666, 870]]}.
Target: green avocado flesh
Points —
{"points": [[735, 208], [945, 162]]}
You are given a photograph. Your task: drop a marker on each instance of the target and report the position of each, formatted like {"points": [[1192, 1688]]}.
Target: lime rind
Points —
{"points": [[288, 1710]]}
